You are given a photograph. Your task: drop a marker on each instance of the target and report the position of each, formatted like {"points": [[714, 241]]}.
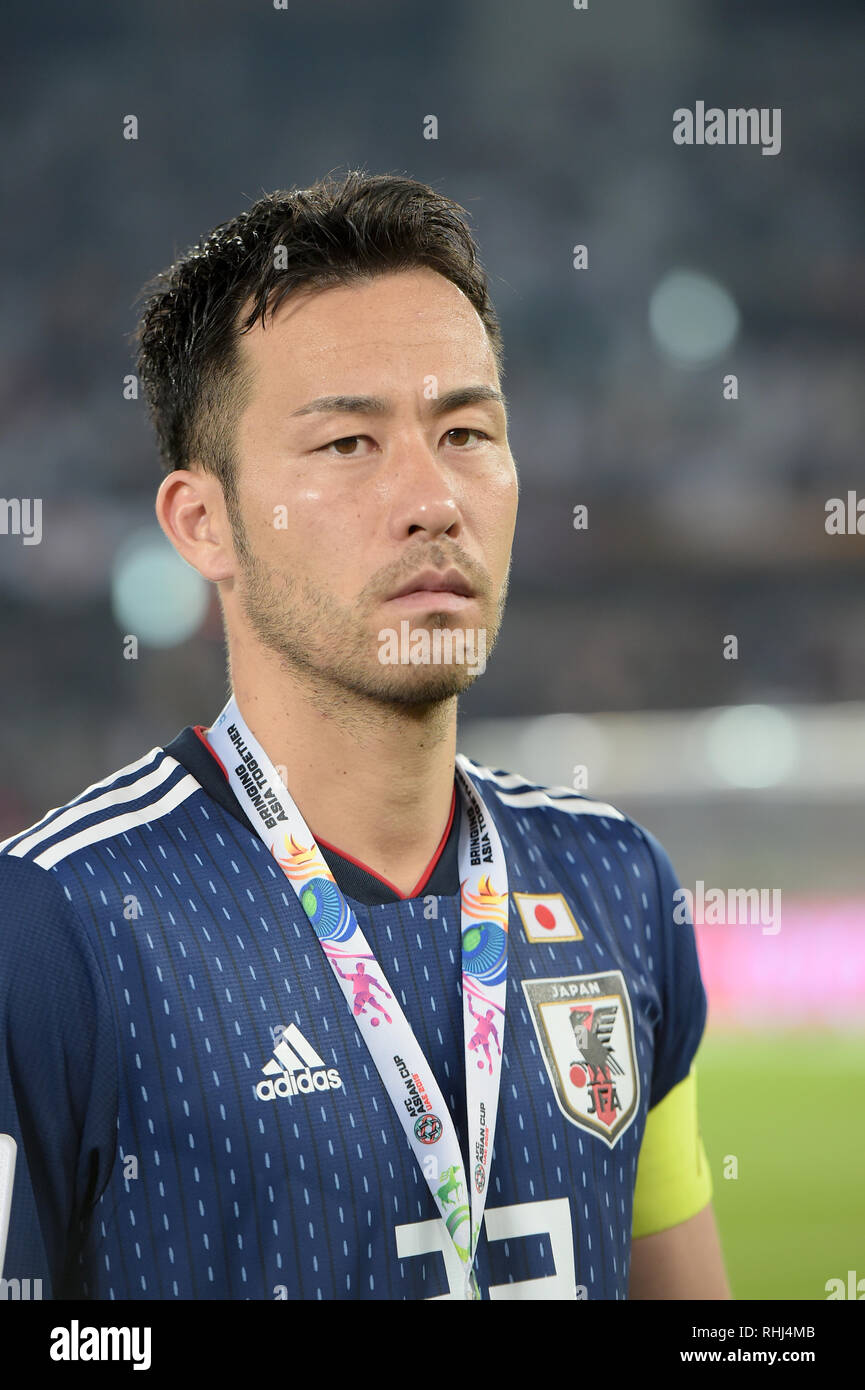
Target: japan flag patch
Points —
{"points": [[547, 917]]}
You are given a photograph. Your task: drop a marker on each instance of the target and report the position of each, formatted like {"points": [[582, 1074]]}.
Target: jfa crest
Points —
{"points": [[586, 1032]]}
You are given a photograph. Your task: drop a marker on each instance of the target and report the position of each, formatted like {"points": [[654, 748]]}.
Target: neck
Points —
{"points": [[373, 780]]}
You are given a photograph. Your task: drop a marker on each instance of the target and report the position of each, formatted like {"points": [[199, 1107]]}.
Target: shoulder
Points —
{"points": [[515, 790], [133, 796], [55, 874], [560, 811]]}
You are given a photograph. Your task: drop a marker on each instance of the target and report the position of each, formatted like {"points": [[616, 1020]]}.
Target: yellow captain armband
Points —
{"points": [[673, 1179]]}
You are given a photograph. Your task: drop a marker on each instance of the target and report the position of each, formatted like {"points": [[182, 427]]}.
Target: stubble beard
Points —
{"points": [[333, 650]]}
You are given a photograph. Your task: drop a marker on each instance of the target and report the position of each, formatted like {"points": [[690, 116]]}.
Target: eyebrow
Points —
{"points": [[376, 405]]}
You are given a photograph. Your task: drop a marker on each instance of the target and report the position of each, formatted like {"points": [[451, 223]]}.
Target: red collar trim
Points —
{"points": [[201, 731], [427, 871]]}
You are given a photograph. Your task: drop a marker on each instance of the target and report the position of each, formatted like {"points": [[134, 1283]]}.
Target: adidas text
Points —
{"points": [[303, 1082], [295, 1068]]}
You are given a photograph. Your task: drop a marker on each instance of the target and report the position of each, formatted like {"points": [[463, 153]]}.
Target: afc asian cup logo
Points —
{"points": [[428, 1129], [480, 1177]]}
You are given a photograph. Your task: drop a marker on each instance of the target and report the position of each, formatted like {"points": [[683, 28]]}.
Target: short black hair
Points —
{"points": [[335, 232]]}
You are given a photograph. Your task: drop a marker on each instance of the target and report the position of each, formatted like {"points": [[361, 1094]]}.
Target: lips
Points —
{"points": [[436, 582]]}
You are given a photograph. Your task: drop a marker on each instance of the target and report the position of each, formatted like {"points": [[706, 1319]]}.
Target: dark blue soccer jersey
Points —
{"points": [[196, 1113]]}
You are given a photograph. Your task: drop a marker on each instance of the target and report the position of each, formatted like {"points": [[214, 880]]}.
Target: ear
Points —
{"points": [[190, 508]]}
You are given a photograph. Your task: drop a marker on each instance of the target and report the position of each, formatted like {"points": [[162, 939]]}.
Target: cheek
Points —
{"points": [[286, 520], [503, 517], [499, 509], [310, 534]]}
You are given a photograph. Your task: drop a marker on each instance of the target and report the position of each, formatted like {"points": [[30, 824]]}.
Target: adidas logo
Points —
{"points": [[291, 1068]]}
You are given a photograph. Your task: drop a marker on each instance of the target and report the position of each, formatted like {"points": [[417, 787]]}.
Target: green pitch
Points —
{"points": [[790, 1107]]}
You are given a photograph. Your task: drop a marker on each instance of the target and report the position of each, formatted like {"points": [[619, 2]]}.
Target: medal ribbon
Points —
{"points": [[459, 1190]]}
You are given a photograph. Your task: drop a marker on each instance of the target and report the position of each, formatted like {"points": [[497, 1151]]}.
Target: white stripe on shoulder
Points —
{"points": [[574, 805], [75, 810], [107, 829], [79, 809], [561, 798]]}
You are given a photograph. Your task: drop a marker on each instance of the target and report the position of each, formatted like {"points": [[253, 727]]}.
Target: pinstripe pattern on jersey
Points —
{"points": [[204, 950]]}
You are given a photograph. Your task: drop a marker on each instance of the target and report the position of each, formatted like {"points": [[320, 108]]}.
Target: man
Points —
{"points": [[198, 1113]]}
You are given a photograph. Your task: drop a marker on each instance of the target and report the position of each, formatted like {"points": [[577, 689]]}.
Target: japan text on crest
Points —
{"points": [[586, 1032]]}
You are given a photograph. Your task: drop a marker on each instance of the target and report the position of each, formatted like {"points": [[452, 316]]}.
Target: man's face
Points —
{"points": [[342, 506]]}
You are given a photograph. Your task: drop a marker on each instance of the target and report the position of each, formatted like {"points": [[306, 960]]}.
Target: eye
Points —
{"points": [[346, 446], [346, 439], [466, 429]]}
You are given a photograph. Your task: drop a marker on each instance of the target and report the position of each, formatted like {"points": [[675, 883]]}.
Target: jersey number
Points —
{"points": [[552, 1218]]}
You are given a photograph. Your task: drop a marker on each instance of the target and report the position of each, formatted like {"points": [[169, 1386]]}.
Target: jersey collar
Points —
{"points": [[356, 880]]}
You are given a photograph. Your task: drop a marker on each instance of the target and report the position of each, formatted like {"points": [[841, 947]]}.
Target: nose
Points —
{"points": [[422, 492]]}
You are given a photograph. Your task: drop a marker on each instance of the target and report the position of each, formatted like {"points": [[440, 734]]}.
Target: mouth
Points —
{"points": [[445, 592]]}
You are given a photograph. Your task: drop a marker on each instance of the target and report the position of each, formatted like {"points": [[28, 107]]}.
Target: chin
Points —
{"points": [[424, 685]]}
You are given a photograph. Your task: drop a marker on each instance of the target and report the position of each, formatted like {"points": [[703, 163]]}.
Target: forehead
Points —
{"points": [[410, 323]]}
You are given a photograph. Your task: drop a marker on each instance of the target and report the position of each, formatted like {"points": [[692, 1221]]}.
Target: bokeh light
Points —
{"points": [[751, 745], [156, 596], [693, 319]]}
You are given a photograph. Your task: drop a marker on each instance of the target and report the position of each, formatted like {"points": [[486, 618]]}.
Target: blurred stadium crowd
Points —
{"points": [[706, 516]]}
